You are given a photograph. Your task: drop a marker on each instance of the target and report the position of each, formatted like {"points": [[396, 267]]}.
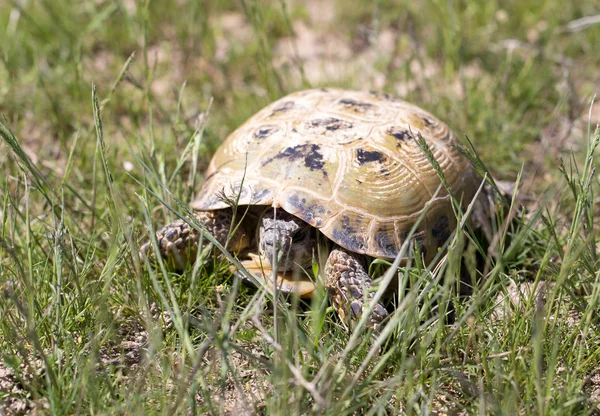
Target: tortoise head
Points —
{"points": [[285, 241]]}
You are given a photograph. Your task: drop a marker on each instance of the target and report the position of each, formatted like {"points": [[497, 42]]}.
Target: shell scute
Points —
{"points": [[350, 229], [381, 186], [306, 206], [365, 109], [266, 131], [304, 164], [384, 239]]}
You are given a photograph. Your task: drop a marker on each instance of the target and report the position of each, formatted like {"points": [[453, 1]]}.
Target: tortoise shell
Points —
{"points": [[345, 162]]}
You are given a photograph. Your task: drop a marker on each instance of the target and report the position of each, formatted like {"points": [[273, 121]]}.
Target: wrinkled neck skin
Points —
{"points": [[284, 241]]}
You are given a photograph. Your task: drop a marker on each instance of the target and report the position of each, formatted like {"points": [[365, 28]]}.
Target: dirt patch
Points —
{"points": [[326, 57], [593, 389], [446, 403], [15, 399], [234, 33], [128, 352], [243, 390], [132, 340], [517, 297]]}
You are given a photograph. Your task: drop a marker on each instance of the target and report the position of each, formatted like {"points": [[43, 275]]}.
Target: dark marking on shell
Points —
{"points": [[283, 108], [346, 221], [235, 192], [265, 131], [313, 159], [260, 195], [212, 199], [330, 124], [310, 212], [399, 134], [366, 156], [419, 245], [382, 95], [418, 242], [428, 121], [348, 230], [347, 237], [385, 244], [441, 230], [356, 106]]}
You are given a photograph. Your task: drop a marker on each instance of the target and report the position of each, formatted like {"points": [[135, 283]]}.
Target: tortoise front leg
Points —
{"points": [[347, 281], [178, 241]]}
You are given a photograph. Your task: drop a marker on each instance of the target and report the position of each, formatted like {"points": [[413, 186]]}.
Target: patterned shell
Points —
{"points": [[345, 162]]}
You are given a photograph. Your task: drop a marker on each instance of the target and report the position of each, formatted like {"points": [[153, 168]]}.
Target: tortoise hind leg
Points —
{"points": [[347, 281], [178, 241]]}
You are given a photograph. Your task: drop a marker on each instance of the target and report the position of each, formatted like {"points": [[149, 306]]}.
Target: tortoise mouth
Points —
{"points": [[289, 262], [296, 280]]}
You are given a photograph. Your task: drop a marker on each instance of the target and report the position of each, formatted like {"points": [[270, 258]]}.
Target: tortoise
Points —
{"points": [[344, 164]]}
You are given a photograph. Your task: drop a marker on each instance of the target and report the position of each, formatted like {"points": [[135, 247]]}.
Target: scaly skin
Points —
{"points": [[347, 281], [178, 241]]}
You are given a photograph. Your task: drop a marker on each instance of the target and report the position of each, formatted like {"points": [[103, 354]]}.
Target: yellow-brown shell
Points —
{"points": [[345, 162]]}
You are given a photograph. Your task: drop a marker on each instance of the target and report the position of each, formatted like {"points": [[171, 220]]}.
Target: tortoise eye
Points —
{"points": [[300, 235]]}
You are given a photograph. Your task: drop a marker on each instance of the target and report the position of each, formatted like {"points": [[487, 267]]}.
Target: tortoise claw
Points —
{"points": [[347, 281]]}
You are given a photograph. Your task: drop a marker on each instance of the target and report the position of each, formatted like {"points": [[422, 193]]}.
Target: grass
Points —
{"points": [[104, 102]]}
